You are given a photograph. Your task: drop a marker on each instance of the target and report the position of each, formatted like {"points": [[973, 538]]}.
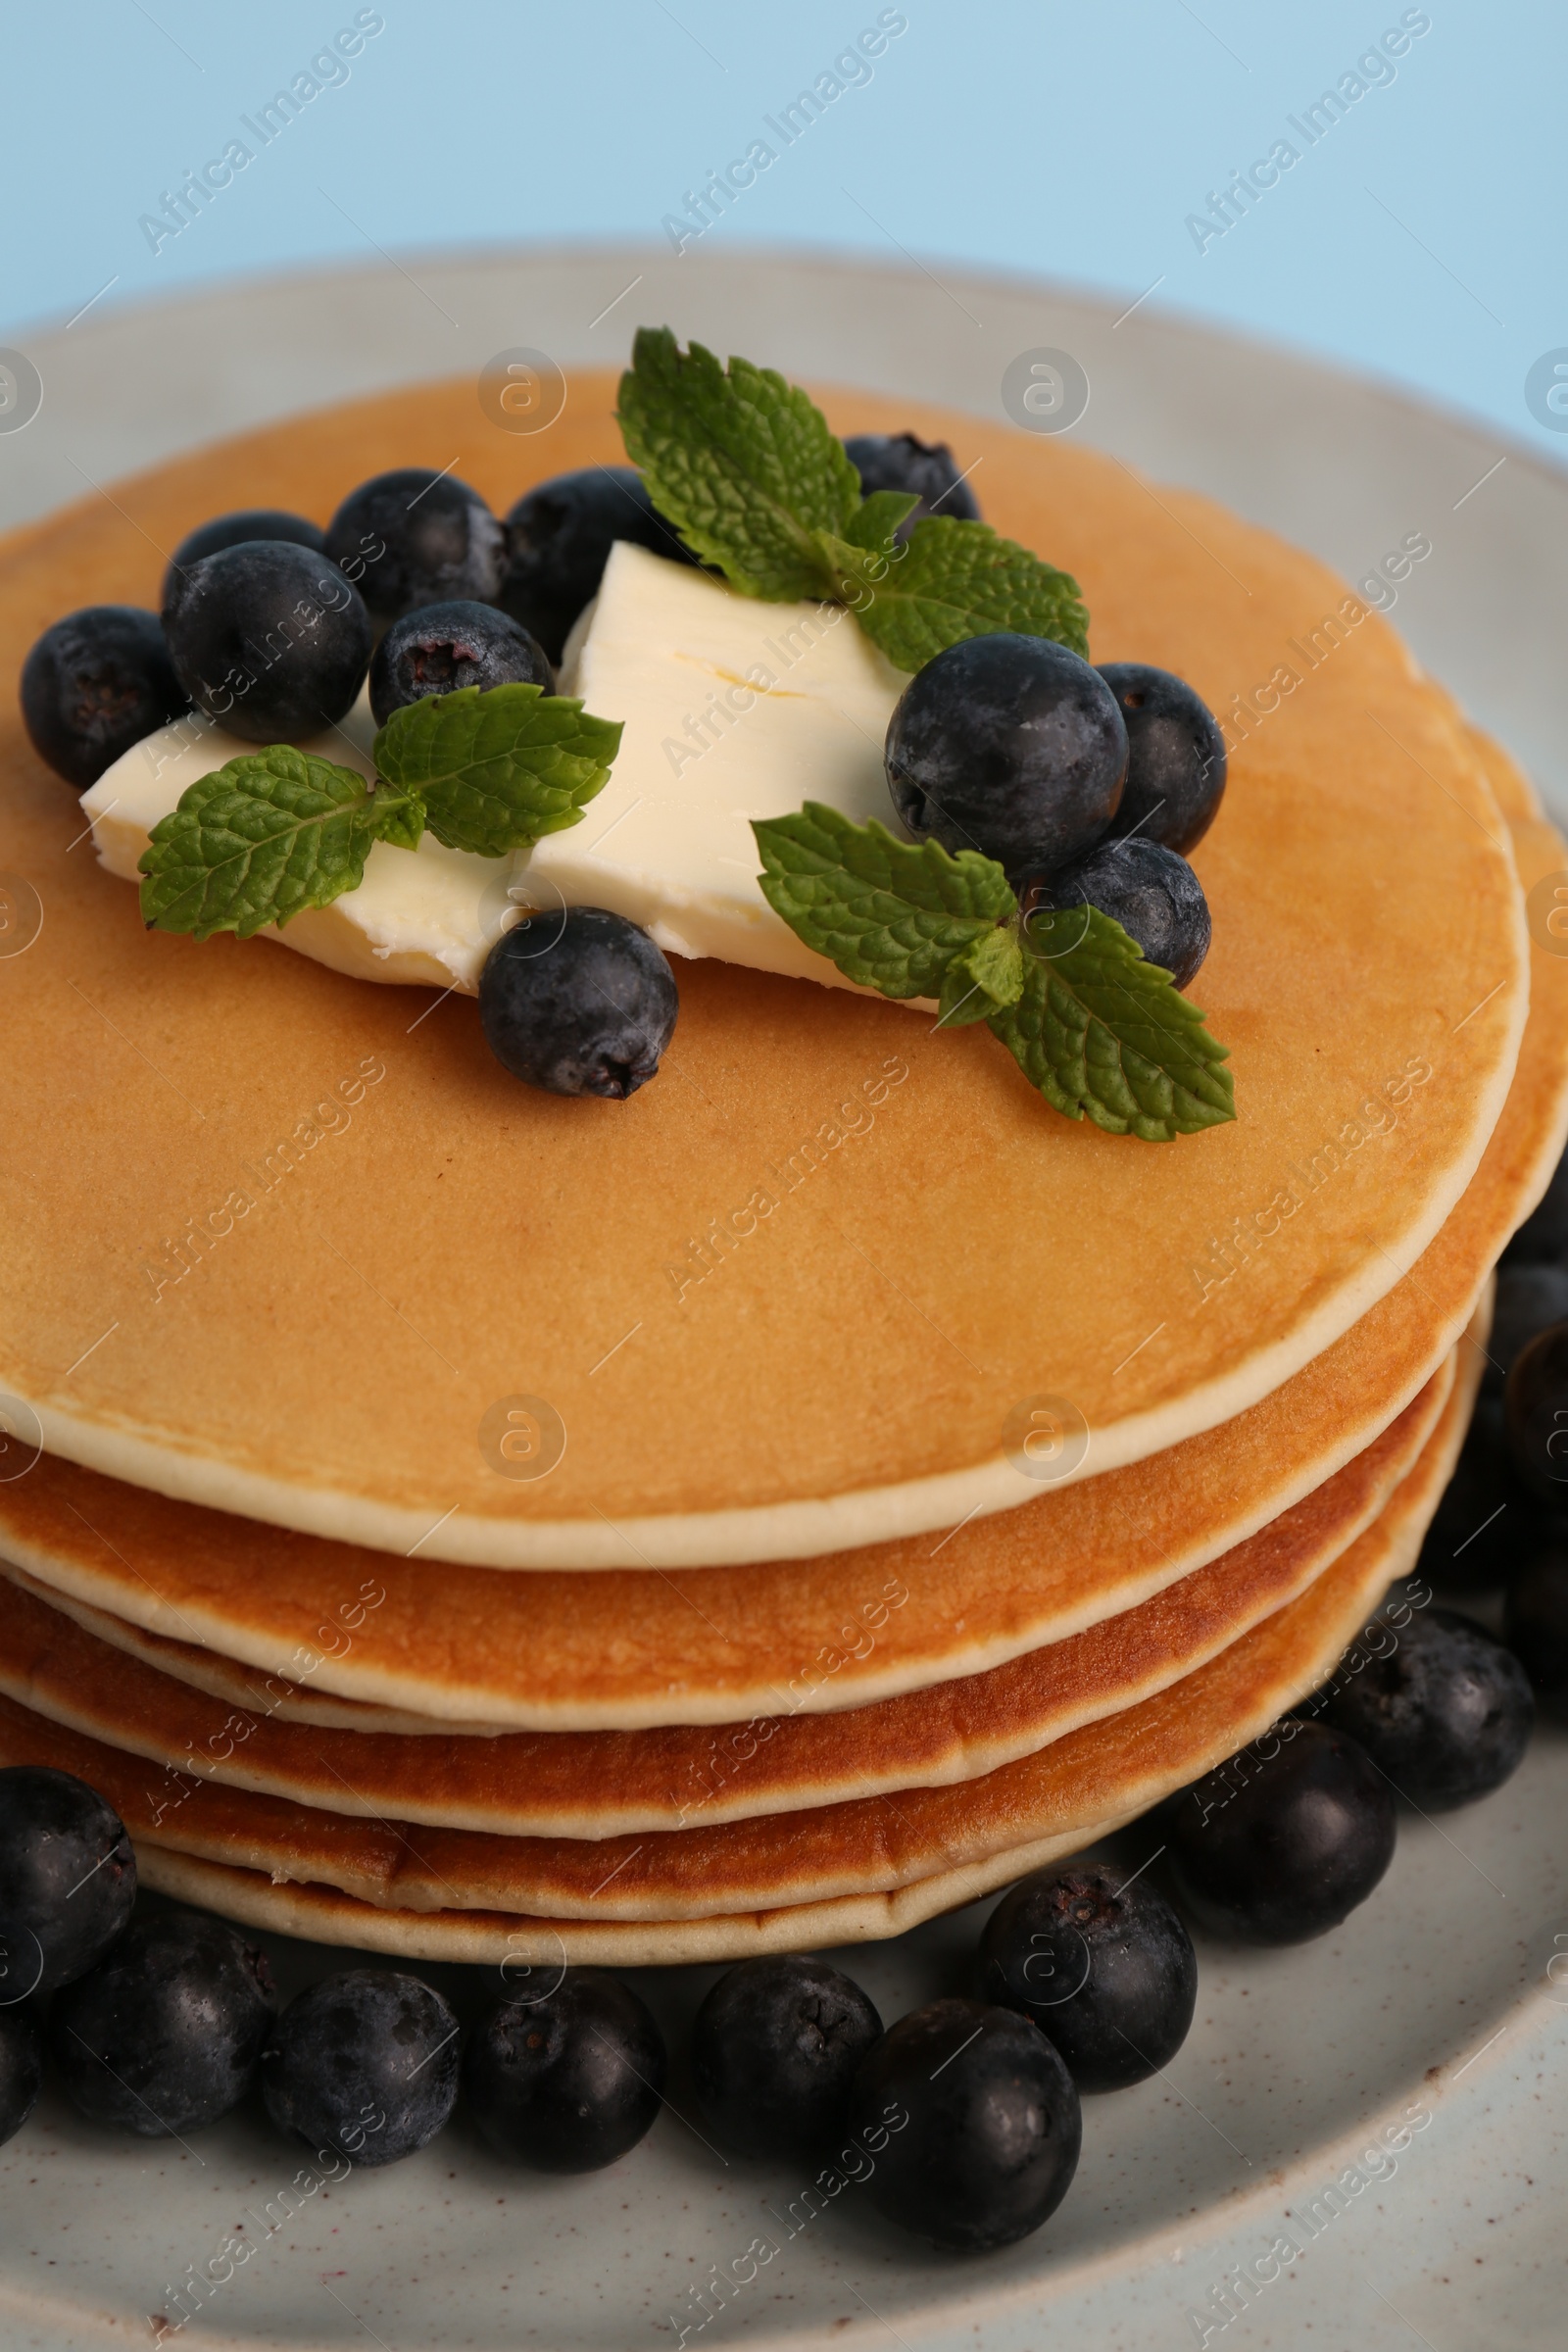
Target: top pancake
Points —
{"points": [[846, 1373]]}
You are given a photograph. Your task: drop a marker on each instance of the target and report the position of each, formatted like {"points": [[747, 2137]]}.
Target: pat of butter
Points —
{"points": [[732, 710]]}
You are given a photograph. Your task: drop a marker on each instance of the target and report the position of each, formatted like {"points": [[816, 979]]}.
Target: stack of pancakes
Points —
{"points": [[786, 1505]]}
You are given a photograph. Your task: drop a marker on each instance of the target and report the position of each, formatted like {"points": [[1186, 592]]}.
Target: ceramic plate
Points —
{"points": [[1232, 2201]]}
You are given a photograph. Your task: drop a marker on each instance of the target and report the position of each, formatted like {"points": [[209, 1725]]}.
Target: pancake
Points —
{"points": [[608, 1784], [626, 1650], [1109, 1771], [846, 1374]]}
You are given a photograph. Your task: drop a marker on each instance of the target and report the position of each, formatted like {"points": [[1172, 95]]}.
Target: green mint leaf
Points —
{"points": [[403, 818], [497, 767], [743, 462], [878, 517], [262, 838], [983, 978], [890, 913], [1098, 1029], [960, 579]]}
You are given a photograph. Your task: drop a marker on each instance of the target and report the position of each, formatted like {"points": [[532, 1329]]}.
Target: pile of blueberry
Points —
{"points": [[962, 2121], [1085, 784]]}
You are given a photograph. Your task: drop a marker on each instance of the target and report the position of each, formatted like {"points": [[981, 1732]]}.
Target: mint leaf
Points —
{"points": [[877, 517], [1098, 1029], [497, 767], [890, 913], [960, 579], [743, 462], [983, 978], [264, 836]]}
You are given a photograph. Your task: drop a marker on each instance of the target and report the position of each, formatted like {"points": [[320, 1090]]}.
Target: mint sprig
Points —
{"points": [[261, 839], [746, 467], [275, 831], [1099, 1031], [496, 767], [892, 915]]}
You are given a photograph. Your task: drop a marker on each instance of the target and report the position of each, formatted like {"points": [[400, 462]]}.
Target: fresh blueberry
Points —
{"points": [[1151, 891], [21, 2070], [163, 2035], [558, 538], [1008, 745], [1536, 1623], [364, 2062], [1543, 1237], [1488, 1521], [1282, 1842], [438, 648], [68, 1878], [579, 1001], [1529, 1297], [233, 530], [95, 685], [269, 639], [929, 468], [1535, 1406], [1175, 757], [569, 2083], [973, 2120], [774, 2050], [412, 537], [1439, 1706], [1106, 1968]]}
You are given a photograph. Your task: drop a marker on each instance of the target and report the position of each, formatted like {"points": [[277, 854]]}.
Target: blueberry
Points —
{"points": [[569, 2083], [233, 530], [267, 639], [412, 537], [1175, 757], [774, 2050], [578, 1001], [364, 2062], [1105, 1969], [94, 686], [21, 2070], [1007, 745], [1488, 1521], [1151, 891], [1535, 1406], [558, 538], [68, 1878], [1543, 1237], [1281, 1843], [1529, 1297], [438, 648], [973, 2122], [164, 2033], [900, 462], [1536, 1623], [1438, 1706]]}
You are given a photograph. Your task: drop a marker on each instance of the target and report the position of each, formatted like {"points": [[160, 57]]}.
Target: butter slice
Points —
{"points": [[732, 710]]}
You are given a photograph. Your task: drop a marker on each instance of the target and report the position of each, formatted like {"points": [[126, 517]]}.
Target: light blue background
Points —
{"points": [[1422, 240]]}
